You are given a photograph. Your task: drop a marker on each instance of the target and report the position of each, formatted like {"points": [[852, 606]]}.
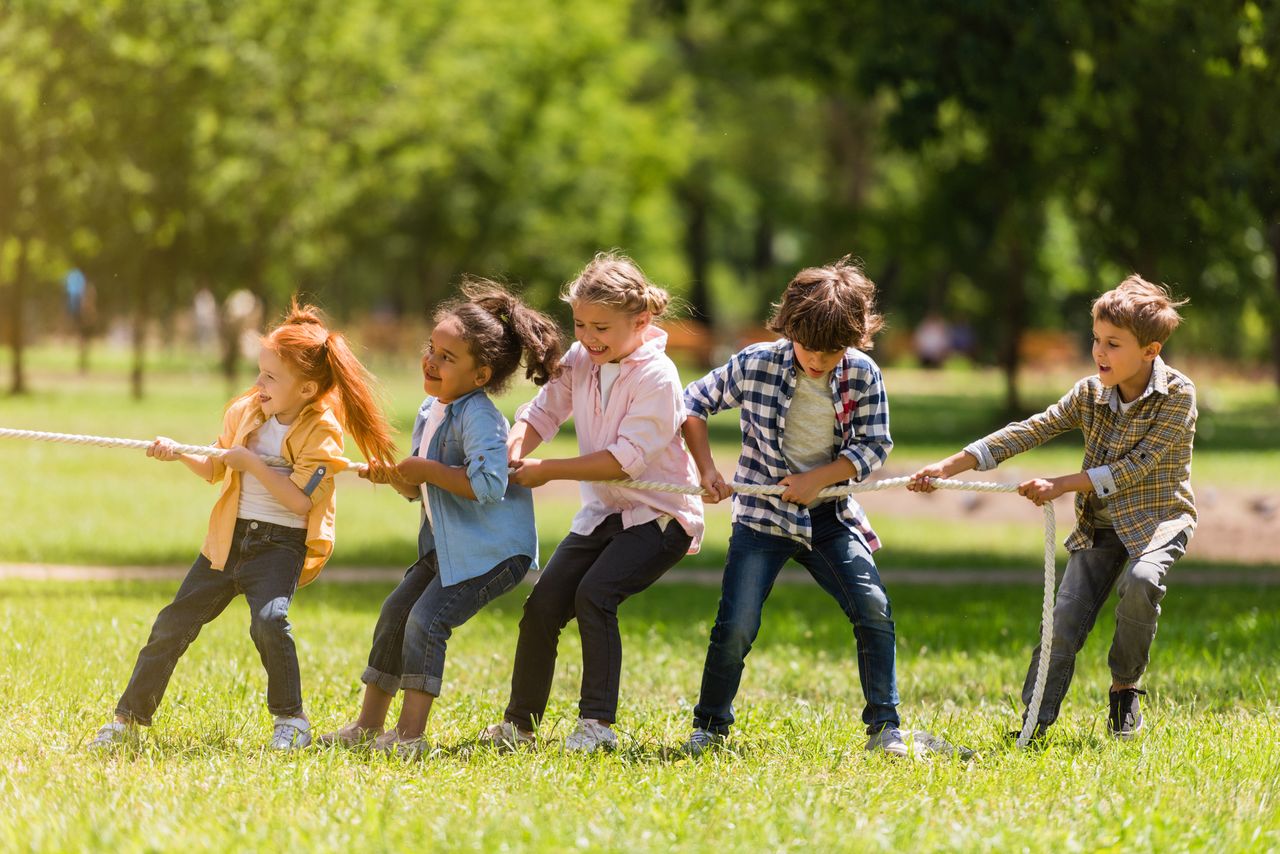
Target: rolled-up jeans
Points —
{"points": [[1086, 585], [842, 565], [264, 564], [418, 618]]}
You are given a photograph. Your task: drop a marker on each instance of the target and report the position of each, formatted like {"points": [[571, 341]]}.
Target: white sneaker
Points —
{"points": [[505, 735], [590, 736], [110, 737], [290, 734], [888, 740]]}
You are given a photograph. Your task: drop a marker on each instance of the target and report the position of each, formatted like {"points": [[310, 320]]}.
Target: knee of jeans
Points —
{"points": [[873, 606], [541, 608], [736, 634], [424, 625], [1143, 581], [271, 620]]}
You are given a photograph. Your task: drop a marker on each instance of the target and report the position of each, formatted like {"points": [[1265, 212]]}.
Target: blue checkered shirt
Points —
{"points": [[760, 380]]}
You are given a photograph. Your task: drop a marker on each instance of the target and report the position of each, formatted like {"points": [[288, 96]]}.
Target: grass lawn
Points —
{"points": [[796, 778]]}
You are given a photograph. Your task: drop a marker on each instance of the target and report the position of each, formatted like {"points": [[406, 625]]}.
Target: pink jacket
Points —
{"points": [[640, 427]]}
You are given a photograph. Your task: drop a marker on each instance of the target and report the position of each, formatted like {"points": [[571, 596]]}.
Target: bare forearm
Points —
{"points": [[837, 471], [697, 438], [199, 464], [600, 465], [1076, 482], [282, 489], [522, 440], [416, 471]]}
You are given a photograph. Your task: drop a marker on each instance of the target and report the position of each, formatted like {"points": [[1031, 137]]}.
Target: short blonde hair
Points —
{"points": [[1148, 311], [616, 281], [829, 308]]}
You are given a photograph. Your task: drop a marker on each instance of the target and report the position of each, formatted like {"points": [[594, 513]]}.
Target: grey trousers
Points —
{"points": [[1086, 584]]}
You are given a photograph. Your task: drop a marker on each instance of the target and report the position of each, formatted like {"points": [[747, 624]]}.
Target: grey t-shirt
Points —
{"points": [[811, 424]]}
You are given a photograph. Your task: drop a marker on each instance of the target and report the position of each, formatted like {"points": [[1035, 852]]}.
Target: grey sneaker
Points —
{"points": [[888, 740], [290, 734], [110, 737], [700, 741], [591, 735], [351, 735], [505, 735]]}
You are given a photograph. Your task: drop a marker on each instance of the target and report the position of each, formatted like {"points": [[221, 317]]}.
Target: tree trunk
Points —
{"points": [[697, 244], [1273, 238], [1015, 322], [140, 314], [18, 381]]}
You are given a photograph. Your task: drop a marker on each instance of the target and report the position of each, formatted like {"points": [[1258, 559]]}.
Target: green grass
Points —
{"points": [[796, 778], [70, 504]]}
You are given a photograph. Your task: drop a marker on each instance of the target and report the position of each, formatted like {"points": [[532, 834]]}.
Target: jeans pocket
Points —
{"points": [[503, 582]]}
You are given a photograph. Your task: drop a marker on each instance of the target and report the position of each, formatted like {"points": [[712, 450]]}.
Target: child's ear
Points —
{"points": [[309, 389], [483, 376], [643, 319], [1152, 350]]}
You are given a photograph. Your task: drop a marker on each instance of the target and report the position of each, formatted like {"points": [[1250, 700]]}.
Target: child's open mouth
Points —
{"points": [[596, 351]]}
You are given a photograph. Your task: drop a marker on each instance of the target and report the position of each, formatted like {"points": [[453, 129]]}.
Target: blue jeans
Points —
{"points": [[841, 563], [1085, 588], [264, 564], [419, 616]]}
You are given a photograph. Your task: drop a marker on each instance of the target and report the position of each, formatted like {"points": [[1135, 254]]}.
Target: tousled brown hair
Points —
{"points": [[829, 308], [322, 356], [1148, 311], [616, 281], [501, 331]]}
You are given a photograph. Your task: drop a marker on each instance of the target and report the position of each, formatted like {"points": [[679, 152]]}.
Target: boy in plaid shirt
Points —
{"points": [[1134, 507], [813, 414]]}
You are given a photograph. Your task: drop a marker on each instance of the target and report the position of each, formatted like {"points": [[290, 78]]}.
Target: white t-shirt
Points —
{"points": [[811, 424], [608, 376], [255, 501], [434, 416]]}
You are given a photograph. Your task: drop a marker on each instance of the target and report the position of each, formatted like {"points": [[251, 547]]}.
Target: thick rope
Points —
{"points": [[1046, 614], [141, 444]]}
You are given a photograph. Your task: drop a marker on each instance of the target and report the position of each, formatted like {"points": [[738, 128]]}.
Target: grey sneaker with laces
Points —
{"points": [[888, 740], [700, 741], [505, 735], [110, 737], [290, 734], [591, 735]]}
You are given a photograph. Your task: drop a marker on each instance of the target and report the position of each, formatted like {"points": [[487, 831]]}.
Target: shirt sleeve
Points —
{"points": [[230, 420], [652, 422], [1173, 425], [320, 459], [484, 449], [717, 391], [554, 402], [869, 441], [1021, 436]]}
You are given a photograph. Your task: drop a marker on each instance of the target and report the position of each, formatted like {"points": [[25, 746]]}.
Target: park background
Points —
{"points": [[172, 172]]}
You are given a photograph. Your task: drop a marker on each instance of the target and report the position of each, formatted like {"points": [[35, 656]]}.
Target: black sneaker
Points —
{"points": [[1125, 719]]}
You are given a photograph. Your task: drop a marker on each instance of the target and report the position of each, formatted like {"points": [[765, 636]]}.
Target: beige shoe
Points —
{"points": [[505, 735], [351, 735], [590, 736], [391, 744]]}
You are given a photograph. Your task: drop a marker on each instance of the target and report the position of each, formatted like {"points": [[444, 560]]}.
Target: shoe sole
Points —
{"points": [[1126, 736]]}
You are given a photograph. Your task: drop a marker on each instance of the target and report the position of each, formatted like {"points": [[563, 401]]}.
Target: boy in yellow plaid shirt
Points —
{"points": [[1134, 507]]}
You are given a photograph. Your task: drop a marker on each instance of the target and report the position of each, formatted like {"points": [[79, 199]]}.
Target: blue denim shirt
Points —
{"points": [[472, 537]]}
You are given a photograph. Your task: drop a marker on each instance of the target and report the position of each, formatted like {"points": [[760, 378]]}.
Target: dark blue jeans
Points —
{"points": [[419, 616], [841, 563], [264, 564]]}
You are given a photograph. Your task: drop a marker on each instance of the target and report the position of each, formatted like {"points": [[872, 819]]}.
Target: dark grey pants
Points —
{"points": [[588, 577], [1086, 584]]}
